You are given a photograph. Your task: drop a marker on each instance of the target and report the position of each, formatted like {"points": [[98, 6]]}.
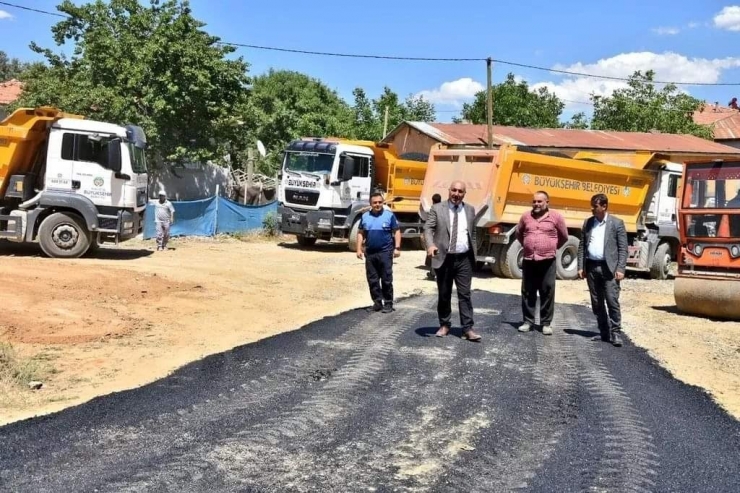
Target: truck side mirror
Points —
{"points": [[349, 168], [114, 155]]}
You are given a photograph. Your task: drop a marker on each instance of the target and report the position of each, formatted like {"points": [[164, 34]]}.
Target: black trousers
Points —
{"points": [[457, 269], [604, 290], [538, 276], [379, 271]]}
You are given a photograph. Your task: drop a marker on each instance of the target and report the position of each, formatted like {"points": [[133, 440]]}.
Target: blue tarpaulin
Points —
{"points": [[211, 216]]}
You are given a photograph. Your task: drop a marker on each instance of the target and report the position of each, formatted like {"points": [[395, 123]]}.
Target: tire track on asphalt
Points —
{"points": [[153, 436], [269, 454], [629, 461], [518, 450]]}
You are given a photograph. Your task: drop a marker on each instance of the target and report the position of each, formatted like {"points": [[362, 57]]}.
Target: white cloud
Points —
{"points": [[728, 18], [453, 93], [671, 67], [693, 25], [666, 31], [5, 15]]}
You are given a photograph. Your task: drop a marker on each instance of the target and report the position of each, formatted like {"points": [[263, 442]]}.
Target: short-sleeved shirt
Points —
{"points": [[378, 229], [163, 211]]}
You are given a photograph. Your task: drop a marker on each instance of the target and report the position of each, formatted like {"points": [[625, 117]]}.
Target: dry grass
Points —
{"points": [[15, 374]]}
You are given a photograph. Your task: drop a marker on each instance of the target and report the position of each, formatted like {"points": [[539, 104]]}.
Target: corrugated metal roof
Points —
{"points": [[725, 122], [469, 134], [10, 91]]}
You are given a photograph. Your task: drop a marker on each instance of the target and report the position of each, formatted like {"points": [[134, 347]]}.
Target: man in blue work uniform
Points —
{"points": [[379, 232]]}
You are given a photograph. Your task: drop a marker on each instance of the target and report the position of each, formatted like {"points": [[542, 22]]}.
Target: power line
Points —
{"points": [[424, 59], [33, 10]]}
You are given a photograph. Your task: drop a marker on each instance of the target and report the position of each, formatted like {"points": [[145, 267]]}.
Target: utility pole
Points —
{"points": [[489, 103], [385, 124]]}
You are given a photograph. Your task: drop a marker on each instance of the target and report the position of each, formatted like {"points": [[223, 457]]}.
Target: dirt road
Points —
{"points": [[132, 315]]}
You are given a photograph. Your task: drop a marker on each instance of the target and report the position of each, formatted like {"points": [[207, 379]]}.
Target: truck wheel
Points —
{"points": [[305, 241], [511, 260], [661, 265], [64, 235], [353, 235], [566, 260], [497, 252]]}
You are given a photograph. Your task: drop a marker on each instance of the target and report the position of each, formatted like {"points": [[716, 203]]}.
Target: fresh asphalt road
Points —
{"points": [[374, 402]]}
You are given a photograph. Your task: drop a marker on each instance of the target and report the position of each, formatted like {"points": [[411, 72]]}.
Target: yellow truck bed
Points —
{"points": [[504, 180], [22, 135]]}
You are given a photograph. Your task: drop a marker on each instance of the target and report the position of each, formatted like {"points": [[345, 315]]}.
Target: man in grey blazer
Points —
{"points": [[449, 232], [602, 260]]}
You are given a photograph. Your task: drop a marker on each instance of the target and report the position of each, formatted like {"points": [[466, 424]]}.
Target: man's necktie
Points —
{"points": [[453, 233]]}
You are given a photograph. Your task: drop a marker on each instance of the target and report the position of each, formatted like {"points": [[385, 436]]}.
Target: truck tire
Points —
{"points": [[566, 260], [352, 244], [661, 265], [511, 260], [64, 235], [498, 258], [305, 241]]}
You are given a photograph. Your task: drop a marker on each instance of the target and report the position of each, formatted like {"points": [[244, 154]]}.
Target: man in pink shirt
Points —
{"points": [[541, 232]]}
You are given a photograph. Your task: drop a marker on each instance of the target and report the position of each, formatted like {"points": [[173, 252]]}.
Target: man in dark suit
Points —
{"points": [[602, 260], [450, 233]]}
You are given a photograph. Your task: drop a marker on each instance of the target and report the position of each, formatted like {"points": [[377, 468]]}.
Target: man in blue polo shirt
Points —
{"points": [[379, 232]]}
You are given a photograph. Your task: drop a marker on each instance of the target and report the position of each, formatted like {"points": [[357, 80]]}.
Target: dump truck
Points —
{"points": [[70, 183], [325, 186], [641, 187], [708, 278]]}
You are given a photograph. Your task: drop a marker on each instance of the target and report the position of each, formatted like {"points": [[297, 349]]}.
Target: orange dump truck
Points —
{"points": [[325, 186], [708, 280], [641, 188]]}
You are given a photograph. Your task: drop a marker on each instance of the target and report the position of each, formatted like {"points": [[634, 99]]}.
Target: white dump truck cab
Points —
{"points": [[87, 185], [324, 186]]}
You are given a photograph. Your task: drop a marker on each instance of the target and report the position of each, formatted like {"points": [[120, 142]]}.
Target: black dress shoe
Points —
{"points": [[377, 306]]}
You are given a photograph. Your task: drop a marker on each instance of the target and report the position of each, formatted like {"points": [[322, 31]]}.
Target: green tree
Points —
{"points": [[515, 104], [641, 107], [11, 68], [577, 121], [153, 66], [369, 115], [284, 105]]}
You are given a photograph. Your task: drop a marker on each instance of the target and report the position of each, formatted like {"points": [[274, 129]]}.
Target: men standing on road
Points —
{"points": [[436, 199], [379, 230], [602, 260], [449, 232], [541, 233], [164, 216]]}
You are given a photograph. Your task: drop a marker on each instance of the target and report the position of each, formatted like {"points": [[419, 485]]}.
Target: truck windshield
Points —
{"points": [[138, 159], [713, 186], [310, 162]]}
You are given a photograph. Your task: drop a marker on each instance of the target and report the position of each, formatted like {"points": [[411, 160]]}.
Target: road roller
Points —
{"points": [[708, 279]]}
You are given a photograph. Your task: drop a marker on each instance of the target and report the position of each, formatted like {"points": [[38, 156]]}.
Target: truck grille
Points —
{"points": [[301, 197]]}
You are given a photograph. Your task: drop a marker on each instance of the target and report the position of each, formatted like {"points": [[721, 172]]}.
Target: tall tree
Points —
{"points": [[152, 66], [515, 104], [11, 68], [577, 121], [369, 115], [642, 107], [284, 105]]}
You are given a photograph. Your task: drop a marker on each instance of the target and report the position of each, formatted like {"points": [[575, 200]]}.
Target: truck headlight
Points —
{"points": [[128, 224]]}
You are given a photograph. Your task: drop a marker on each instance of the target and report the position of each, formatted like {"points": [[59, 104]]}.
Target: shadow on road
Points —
{"points": [[8, 249]]}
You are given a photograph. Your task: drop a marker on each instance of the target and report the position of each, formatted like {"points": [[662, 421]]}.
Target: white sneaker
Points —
{"points": [[525, 327], [547, 330]]}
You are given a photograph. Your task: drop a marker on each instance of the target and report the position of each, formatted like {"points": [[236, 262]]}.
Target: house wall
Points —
{"points": [[190, 183], [409, 139]]}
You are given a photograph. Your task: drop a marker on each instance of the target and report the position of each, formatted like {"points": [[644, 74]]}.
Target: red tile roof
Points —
{"points": [[724, 121], [468, 134], [10, 91]]}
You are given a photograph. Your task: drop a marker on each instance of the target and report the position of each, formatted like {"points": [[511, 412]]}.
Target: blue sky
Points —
{"points": [[683, 41]]}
